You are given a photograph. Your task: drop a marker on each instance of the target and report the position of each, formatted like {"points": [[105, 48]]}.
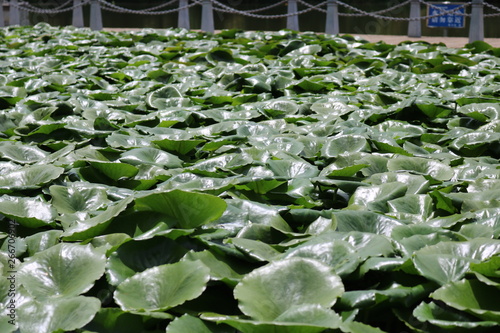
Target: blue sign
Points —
{"points": [[450, 20]]}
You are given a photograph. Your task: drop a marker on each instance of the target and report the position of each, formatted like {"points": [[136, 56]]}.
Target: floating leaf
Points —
{"points": [[270, 291], [163, 287], [29, 178], [30, 212], [57, 314], [62, 270], [185, 209], [449, 261], [471, 296]]}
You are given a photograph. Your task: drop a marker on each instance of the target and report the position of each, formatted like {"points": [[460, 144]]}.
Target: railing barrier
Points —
{"points": [[18, 13], [415, 26], [476, 31]]}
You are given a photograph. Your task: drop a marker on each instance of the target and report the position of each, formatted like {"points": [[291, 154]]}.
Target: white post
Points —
{"points": [[2, 16], [95, 15], [24, 18], [207, 16], [292, 22], [183, 15], [415, 26], [332, 18], [77, 14], [476, 31], [14, 18]]}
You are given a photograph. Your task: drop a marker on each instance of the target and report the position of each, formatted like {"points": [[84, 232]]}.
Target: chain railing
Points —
{"points": [[64, 8], [494, 8], [148, 11], [210, 6]]}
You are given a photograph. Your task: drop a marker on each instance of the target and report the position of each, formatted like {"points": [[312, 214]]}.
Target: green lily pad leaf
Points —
{"points": [[165, 97], [20, 153], [186, 210], [57, 314], [6, 325], [367, 244], [151, 156], [449, 261], [81, 229], [433, 168], [113, 320], [357, 327], [62, 270], [163, 287], [279, 108], [110, 242], [415, 207], [446, 318], [334, 171], [118, 140], [270, 291], [181, 147], [343, 144], [489, 268], [255, 249], [138, 255], [442, 202], [376, 197], [262, 186], [365, 221], [30, 212], [11, 95], [335, 108], [115, 171], [188, 323], [481, 111], [292, 168], [336, 253], [307, 318], [42, 241], [29, 178], [474, 143], [471, 296], [413, 237], [219, 269], [77, 198]]}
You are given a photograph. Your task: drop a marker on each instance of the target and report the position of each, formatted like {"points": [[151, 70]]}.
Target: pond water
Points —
{"points": [[312, 21]]}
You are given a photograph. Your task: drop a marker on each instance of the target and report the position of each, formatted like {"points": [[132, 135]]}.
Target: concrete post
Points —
{"points": [[207, 16], [332, 18], [95, 15], [183, 15], [292, 22], [2, 16], [14, 18], [24, 16], [476, 31], [415, 26], [77, 14]]}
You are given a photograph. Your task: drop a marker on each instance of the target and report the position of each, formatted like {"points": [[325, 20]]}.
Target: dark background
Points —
{"points": [[312, 21]]}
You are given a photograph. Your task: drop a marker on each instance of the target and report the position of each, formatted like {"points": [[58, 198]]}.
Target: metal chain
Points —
{"points": [[389, 18], [64, 4], [382, 11], [362, 13], [117, 9], [492, 7], [266, 8], [160, 6], [32, 9], [441, 10], [309, 5], [226, 9]]}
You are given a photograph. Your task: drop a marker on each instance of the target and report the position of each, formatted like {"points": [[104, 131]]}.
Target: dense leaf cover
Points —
{"points": [[248, 182]]}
